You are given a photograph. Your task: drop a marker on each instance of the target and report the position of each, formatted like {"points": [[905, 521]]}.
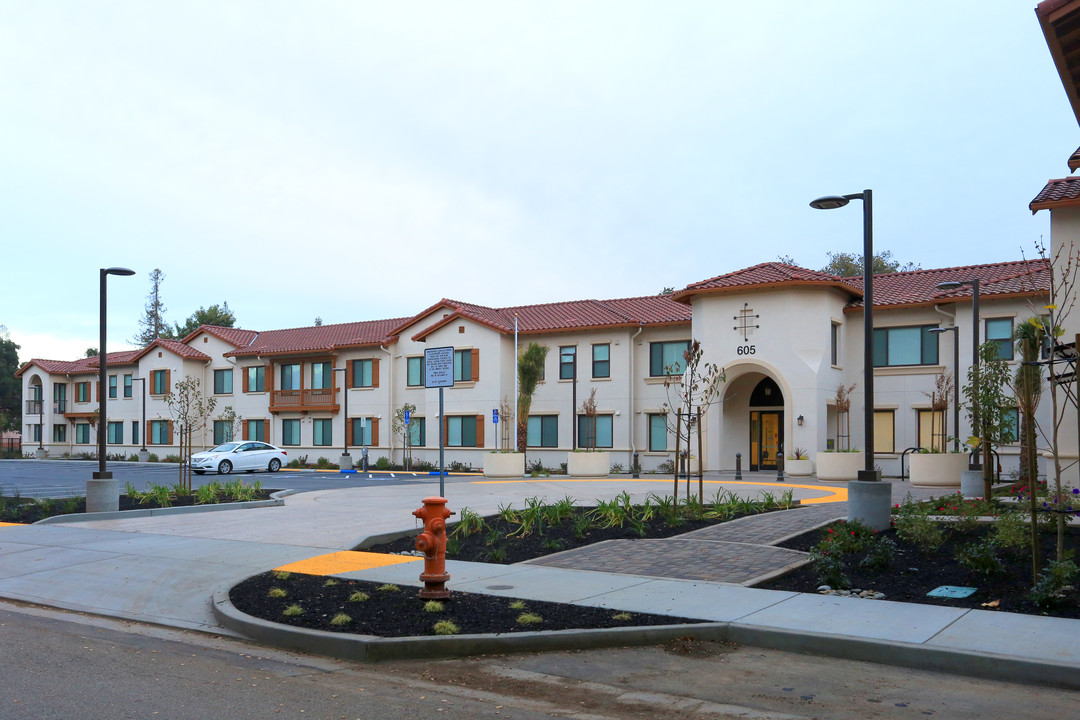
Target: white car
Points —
{"points": [[246, 455]]}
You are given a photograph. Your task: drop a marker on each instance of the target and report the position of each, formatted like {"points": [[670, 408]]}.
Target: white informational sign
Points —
{"points": [[439, 366]]}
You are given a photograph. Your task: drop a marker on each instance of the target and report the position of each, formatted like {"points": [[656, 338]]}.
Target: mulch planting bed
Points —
{"points": [[28, 510], [915, 573], [400, 612]]}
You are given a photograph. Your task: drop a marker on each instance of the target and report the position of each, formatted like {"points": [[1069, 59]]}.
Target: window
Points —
{"points": [[658, 433], [364, 431], [322, 376], [1000, 332], [461, 431], [256, 430], [594, 431], [417, 377], [255, 378], [905, 346], [127, 386], [159, 382], [542, 431], [82, 392], [222, 431], [834, 344], [223, 382], [417, 431], [932, 434], [601, 361], [466, 365], [363, 373], [290, 378], [134, 432], [884, 431], [59, 433], [60, 397], [1011, 423], [322, 430], [112, 387], [82, 433], [35, 433], [290, 432], [567, 362], [160, 433], [667, 358], [115, 433]]}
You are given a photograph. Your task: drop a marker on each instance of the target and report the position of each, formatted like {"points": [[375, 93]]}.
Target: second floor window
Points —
{"points": [[601, 361], [567, 362], [667, 358], [1000, 332], [290, 378], [322, 376], [112, 387], [416, 376], [905, 346], [255, 379], [223, 382], [159, 382], [364, 373], [466, 365], [82, 392], [127, 386]]}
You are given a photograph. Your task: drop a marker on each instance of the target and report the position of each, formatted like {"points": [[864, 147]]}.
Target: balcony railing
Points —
{"points": [[60, 406], [34, 407], [303, 400]]}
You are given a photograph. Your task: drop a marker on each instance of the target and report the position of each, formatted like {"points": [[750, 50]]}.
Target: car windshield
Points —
{"points": [[226, 447]]}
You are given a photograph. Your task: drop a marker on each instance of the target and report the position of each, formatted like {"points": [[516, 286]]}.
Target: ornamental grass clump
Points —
{"points": [[340, 619], [433, 606], [359, 597], [446, 627], [528, 618], [293, 610], [276, 592]]}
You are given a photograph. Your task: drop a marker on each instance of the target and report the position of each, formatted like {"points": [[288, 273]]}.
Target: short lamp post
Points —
{"points": [[975, 333], [956, 382], [869, 499], [144, 455], [102, 491], [345, 461]]}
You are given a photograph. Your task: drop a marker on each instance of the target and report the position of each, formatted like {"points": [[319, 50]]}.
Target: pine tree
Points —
{"points": [[153, 325]]}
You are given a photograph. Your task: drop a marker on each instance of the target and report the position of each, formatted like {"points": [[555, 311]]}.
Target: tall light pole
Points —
{"points": [[975, 464], [345, 462], [869, 499], [956, 382], [142, 427], [102, 493]]}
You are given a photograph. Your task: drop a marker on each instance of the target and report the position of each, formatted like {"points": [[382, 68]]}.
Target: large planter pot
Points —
{"points": [[839, 466], [936, 469], [504, 465], [588, 464], [799, 468]]}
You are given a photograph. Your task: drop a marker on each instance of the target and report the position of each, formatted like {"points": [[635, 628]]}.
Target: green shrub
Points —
{"points": [[920, 530], [359, 597], [1011, 530], [292, 611], [331, 582], [446, 627], [880, 554], [276, 592], [281, 574], [528, 618], [383, 463], [829, 568], [322, 463], [340, 619], [388, 587], [433, 606], [152, 457], [622, 617], [517, 605], [497, 555], [1055, 581], [982, 557]]}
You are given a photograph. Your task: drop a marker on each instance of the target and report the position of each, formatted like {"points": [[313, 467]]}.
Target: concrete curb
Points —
{"points": [[276, 500], [366, 648]]}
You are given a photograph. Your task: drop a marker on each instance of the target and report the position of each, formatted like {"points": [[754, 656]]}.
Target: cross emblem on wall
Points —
{"points": [[744, 321]]}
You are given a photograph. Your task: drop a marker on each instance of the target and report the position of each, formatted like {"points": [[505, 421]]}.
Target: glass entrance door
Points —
{"points": [[766, 439]]}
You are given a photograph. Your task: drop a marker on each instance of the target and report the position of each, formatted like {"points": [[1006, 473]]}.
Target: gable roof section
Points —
{"points": [[80, 366], [1063, 192], [765, 275], [176, 347], [320, 338], [234, 336], [919, 287], [1060, 22]]}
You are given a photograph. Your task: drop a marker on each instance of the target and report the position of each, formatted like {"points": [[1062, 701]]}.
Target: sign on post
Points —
{"points": [[495, 416], [439, 366], [406, 417]]}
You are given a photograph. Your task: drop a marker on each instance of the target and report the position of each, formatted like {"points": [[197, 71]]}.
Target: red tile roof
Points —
{"points": [[1062, 192], [320, 338], [770, 274], [234, 336], [80, 366], [1074, 160], [175, 347], [919, 287]]}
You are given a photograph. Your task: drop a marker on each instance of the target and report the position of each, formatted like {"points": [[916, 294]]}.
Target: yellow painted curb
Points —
{"points": [[344, 561], [4, 524], [836, 494]]}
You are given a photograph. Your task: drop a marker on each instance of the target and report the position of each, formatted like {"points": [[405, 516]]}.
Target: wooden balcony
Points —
{"points": [[322, 400]]}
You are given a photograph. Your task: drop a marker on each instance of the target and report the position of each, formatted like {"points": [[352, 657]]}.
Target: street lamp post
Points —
{"points": [[345, 461], [143, 454], [102, 492], [956, 382], [869, 499], [975, 464]]}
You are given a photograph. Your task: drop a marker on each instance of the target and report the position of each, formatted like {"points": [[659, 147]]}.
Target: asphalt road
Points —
{"points": [[67, 478], [63, 665]]}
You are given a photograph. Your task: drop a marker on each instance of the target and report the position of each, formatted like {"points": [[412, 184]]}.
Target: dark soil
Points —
{"points": [[551, 539], [400, 612], [915, 573], [29, 510]]}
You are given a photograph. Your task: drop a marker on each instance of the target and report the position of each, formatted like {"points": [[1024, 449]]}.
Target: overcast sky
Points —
{"points": [[360, 160]]}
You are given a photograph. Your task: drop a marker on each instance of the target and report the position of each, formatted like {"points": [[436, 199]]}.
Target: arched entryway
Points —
{"points": [[753, 418], [766, 425]]}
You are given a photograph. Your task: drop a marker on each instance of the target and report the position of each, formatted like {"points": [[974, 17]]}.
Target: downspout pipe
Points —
{"points": [[390, 402], [630, 412]]}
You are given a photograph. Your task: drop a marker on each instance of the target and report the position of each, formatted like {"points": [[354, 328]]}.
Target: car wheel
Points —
{"points": [[224, 468], [274, 465]]}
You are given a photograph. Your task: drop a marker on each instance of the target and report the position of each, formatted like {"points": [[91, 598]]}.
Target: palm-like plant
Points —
{"points": [[530, 372], [1027, 386]]}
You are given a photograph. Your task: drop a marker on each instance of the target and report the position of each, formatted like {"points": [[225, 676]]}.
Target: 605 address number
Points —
{"points": [[746, 350]]}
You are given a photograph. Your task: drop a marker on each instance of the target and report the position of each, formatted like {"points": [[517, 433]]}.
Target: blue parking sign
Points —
{"points": [[406, 417], [495, 416]]}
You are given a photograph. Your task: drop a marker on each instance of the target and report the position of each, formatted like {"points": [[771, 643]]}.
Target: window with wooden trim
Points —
{"points": [[82, 392], [290, 432], [254, 430], [159, 382], [464, 431], [466, 365], [255, 379], [658, 432], [542, 431], [668, 357], [223, 383], [322, 376], [416, 375], [601, 361], [365, 373], [290, 377], [884, 431], [322, 431], [364, 431]]}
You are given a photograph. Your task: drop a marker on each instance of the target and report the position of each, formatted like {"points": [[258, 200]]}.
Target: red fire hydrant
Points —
{"points": [[432, 542]]}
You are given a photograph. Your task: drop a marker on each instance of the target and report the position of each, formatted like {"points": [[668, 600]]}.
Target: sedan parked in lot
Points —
{"points": [[247, 455]]}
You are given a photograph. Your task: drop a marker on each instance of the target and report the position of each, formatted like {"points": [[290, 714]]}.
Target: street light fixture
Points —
{"points": [[976, 463], [102, 492], [956, 381], [345, 462]]}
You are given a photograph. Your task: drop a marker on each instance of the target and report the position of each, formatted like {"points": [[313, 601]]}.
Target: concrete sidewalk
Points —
{"points": [[164, 570]]}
